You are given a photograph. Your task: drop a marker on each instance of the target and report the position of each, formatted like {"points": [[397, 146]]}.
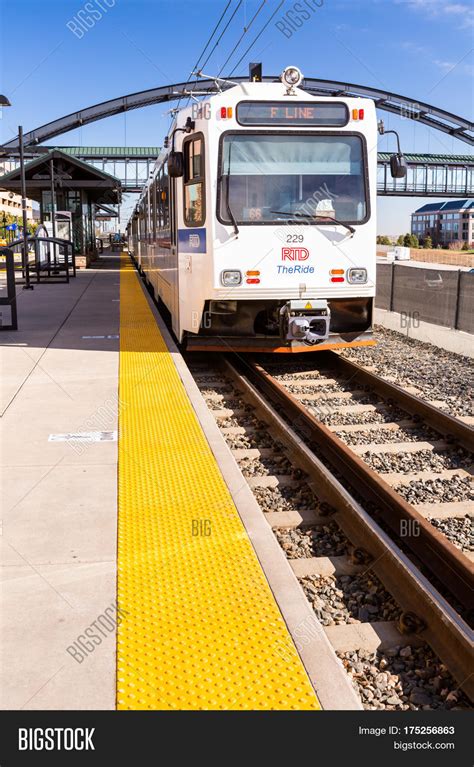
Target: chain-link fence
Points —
{"points": [[442, 297]]}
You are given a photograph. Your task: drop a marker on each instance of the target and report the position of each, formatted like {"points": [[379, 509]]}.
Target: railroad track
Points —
{"points": [[433, 436], [334, 539]]}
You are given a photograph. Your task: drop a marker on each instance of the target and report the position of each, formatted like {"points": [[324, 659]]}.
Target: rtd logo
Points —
{"points": [[294, 254]]}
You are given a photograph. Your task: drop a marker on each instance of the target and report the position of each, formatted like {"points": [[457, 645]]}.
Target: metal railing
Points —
{"points": [[7, 289], [428, 180], [50, 259]]}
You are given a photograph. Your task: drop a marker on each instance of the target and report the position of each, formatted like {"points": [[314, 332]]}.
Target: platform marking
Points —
{"points": [[84, 436], [107, 338], [202, 628]]}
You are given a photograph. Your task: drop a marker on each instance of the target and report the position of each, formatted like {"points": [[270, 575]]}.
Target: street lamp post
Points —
{"points": [[26, 266], [4, 102]]}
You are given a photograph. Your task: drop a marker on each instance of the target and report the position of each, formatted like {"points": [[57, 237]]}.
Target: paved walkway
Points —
{"points": [[58, 544]]}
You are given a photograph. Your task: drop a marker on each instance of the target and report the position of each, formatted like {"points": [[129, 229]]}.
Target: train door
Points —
{"points": [[174, 273], [192, 233]]}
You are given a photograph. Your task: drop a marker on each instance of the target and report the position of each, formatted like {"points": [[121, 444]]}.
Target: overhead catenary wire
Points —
{"points": [[257, 37], [246, 29], [222, 34], [206, 46], [210, 37]]}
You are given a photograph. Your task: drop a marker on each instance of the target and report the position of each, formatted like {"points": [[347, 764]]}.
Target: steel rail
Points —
{"points": [[432, 548], [436, 418]]}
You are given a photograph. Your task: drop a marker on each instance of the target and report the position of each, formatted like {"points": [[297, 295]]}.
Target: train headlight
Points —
{"points": [[231, 277], [357, 276], [291, 76]]}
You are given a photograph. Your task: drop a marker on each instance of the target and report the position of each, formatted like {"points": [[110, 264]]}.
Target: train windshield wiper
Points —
{"points": [[227, 202], [329, 219]]}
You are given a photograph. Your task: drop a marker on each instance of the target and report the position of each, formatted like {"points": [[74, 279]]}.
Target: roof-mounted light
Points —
{"points": [[291, 76]]}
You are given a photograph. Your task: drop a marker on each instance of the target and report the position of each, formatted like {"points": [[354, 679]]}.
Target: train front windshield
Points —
{"points": [[272, 177]]}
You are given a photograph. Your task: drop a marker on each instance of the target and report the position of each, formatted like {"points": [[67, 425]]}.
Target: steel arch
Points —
{"points": [[390, 102]]}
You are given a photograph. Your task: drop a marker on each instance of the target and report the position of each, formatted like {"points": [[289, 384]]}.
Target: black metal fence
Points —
{"points": [[7, 290], [440, 296], [50, 259]]}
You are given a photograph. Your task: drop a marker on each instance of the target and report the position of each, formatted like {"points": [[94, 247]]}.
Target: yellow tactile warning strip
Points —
{"points": [[200, 627]]}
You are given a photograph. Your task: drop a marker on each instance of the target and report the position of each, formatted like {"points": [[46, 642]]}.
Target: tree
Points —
{"points": [[428, 242], [414, 243], [9, 218], [407, 240], [400, 240], [382, 239], [465, 245]]}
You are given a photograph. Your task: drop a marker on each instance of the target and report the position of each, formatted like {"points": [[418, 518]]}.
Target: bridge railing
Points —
{"points": [[427, 180]]}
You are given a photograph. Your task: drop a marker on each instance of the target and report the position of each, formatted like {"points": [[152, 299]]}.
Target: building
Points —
{"points": [[11, 213], [11, 204], [68, 189], [445, 222]]}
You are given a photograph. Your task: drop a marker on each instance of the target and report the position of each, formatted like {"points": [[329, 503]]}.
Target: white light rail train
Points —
{"points": [[256, 229]]}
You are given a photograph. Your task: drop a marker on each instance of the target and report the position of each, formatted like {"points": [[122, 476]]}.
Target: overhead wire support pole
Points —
{"points": [[53, 196], [53, 203], [26, 265]]}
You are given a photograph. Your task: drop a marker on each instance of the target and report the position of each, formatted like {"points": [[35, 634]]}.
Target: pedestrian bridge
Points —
{"points": [[429, 175]]}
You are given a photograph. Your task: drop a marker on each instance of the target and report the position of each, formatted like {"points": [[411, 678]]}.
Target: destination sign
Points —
{"points": [[302, 113]]}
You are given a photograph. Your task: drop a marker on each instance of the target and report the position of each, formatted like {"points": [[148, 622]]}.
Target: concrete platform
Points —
{"points": [[58, 543], [58, 639]]}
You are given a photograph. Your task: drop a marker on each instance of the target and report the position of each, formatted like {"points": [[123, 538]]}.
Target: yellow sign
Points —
{"points": [[309, 306]]}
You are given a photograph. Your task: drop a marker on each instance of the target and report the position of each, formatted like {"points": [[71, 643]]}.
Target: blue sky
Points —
{"points": [[419, 48]]}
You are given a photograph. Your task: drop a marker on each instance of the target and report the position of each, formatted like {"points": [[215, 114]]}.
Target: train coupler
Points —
{"points": [[305, 320]]}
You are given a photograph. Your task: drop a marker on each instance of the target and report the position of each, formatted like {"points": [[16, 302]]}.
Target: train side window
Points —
{"points": [[155, 206], [165, 199], [158, 202], [159, 199], [194, 187]]}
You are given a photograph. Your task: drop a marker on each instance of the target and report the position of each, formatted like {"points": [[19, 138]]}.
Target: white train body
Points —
{"points": [[267, 242]]}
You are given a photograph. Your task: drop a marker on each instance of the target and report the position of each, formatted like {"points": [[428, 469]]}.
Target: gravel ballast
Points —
{"points": [[459, 531], [349, 599], [437, 490], [403, 679], [226, 404], [438, 374], [369, 416], [285, 498], [264, 466], [422, 460], [381, 436], [318, 541], [250, 440]]}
